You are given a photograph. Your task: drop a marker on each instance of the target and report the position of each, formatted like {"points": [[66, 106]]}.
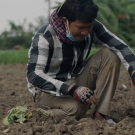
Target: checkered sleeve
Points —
{"points": [[38, 61], [104, 37]]}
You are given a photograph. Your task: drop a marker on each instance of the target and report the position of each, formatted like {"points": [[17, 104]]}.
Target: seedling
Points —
{"points": [[17, 114]]}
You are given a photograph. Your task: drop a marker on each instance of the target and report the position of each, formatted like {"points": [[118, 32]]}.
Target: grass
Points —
{"points": [[21, 56], [13, 57]]}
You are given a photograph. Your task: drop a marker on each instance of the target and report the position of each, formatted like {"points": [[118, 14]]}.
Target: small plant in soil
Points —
{"points": [[17, 114]]}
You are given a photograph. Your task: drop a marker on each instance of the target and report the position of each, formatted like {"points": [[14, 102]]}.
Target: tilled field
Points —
{"points": [[13, 92]]}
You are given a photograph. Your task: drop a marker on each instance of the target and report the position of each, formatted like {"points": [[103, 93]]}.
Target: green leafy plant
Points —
{"points": [[17, 114]]}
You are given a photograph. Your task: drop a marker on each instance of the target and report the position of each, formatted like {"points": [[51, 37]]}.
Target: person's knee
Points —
{"points": [[77, 109], [111, 56]]}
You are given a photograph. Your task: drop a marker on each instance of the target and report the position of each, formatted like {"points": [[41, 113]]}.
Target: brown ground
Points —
{"points": [[13, 92]]}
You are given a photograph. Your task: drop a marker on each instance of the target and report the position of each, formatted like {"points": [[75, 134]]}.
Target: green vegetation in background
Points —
{"points": [[14, 57], [119, 17], [19, 35], [21, 56]]}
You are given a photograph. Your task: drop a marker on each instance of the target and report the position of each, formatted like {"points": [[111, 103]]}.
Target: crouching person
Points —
{"points": [[61, 76]]}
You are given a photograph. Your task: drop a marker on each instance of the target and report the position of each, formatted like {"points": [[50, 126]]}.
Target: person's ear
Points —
{"points": [[64, 19]]}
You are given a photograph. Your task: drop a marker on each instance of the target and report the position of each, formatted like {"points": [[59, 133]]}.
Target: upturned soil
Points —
{"points": [[14, 92]]}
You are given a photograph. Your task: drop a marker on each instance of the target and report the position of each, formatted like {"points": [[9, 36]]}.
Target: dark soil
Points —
{"points": [[14, 92]]}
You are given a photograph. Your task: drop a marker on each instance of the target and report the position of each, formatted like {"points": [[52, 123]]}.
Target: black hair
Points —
{"points": [[82, 10]]}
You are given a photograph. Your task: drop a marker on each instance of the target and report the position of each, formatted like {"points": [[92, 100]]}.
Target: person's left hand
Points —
{"points": [[133, 77]]}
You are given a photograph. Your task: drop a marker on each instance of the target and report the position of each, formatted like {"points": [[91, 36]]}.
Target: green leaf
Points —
{"points": [[20, 109], [17, 114], [11, 116], [30, 115], [22, 118], [5, 121], [107, 17]]}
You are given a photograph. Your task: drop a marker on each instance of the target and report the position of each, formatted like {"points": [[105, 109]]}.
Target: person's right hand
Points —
{"points": [[82, 94]]}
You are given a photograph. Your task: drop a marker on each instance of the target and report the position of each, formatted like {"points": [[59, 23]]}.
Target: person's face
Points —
{"points": [[79, 29]]}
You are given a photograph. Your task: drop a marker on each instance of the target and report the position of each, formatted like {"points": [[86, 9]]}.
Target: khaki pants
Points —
{"points": [[101, 75]]}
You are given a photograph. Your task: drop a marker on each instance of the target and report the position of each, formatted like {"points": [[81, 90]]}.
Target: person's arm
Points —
{"points": [[38, 62], [104, 37]]}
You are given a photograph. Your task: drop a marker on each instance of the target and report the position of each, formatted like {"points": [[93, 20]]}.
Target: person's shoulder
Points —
{"points": [[42, 29], [97, 22], [46, 31], [97, 25]]}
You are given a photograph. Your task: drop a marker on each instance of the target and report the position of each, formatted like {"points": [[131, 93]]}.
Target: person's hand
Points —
{"points": [[82, 94], [92, 99], [133, 77]]}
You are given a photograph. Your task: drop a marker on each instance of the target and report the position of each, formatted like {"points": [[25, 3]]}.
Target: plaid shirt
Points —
{"points": [[52, 62]]}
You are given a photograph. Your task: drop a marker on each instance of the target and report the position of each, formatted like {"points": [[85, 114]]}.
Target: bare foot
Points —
{"points": [[98, 116]]}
